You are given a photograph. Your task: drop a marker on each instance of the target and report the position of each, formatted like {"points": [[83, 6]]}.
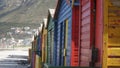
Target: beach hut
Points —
{"points": [[44, 41], [38, 48], [50, 37], [33, 62], [63, 26]]}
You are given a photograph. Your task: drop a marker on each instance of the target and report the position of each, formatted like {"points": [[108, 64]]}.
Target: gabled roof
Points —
{"points": [[45, 22], [57, 9], [32, 38], [51, 12], [40, 28]]}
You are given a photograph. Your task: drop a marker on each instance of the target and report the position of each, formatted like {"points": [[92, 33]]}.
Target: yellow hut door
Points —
{"points": [[65, 40], [111, 47]]}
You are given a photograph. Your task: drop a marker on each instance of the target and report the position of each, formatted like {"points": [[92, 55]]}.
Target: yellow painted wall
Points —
{"points": [[44, 37], [38, 62]]}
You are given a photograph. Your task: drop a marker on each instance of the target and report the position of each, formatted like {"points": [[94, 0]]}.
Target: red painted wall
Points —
{"points": [[87, 32], [90, 30]]}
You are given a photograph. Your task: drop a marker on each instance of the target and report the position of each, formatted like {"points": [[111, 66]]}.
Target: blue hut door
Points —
{"points": [[63, 42], [60, 52]]}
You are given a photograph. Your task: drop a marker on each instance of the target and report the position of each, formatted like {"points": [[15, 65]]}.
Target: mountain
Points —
{"points": [[22, 13], [25, 11]]}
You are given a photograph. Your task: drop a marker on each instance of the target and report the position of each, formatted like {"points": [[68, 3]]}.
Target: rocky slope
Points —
{"points": [[25, 11], [21, 13]]}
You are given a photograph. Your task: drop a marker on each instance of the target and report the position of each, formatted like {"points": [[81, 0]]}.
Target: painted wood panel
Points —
{"points": [[87, 32], [64, 13]]}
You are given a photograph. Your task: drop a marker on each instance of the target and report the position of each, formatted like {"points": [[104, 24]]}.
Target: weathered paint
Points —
{"points": [[111, 34], [63, 13]]}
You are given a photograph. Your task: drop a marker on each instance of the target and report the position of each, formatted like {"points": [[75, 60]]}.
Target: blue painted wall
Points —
{"points": [[64, 13], [39, 45], [55, 43]]}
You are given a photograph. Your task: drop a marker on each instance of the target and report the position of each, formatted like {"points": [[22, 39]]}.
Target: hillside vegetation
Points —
{"points": [[20, 13]]}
